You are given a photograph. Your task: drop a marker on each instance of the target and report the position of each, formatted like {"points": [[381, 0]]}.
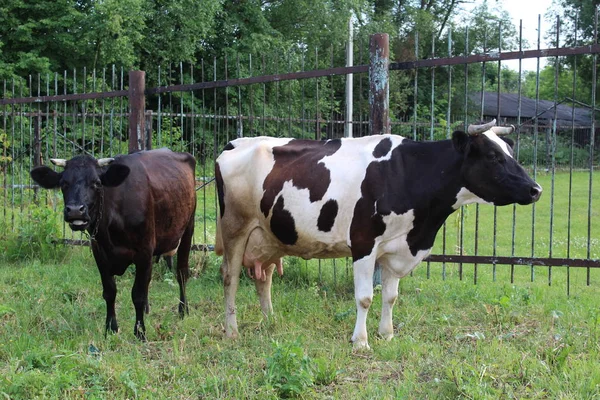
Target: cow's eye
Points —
{"points": [[97, 184], [491, 157]]}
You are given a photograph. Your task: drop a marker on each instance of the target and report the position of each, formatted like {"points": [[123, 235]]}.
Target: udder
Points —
{"points": [[259, 255]]}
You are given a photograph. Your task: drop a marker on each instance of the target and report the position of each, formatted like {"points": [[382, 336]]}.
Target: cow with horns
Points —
{"points": [[133, 207], [378, 199]]}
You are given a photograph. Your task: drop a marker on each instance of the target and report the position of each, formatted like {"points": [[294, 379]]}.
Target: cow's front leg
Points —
{"points": [[139, 295], [363, 293], [389, 294], [109, 293], [263, 289]]}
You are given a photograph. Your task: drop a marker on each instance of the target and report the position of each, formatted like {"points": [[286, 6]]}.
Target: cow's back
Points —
{"points": [[299, 194], [157, 200]]}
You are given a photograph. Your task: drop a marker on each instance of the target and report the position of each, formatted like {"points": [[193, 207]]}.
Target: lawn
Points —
{"points": [[453, 339]]}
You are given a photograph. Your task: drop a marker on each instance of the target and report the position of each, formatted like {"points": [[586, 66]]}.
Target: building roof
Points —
{"points": [[509, 109]]}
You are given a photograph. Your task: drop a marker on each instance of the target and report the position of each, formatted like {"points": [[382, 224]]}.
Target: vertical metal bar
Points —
{"points": [[331, 124], [416, 87], [498, 104], [251, 96], [571, 159], [289, 96], [94, 114], [203, 155], [448, 126], [518, 146], [192, 124], [318, 114], [349, 81], [181, 109], [592, 138], [431, 122], [240, 121], [464, 209], [379, 84], [137, 110], [83, 110], [535, 144], [553, 152]]}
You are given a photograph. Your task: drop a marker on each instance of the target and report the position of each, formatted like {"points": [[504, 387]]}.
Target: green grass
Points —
{"points": [[453, 339]]}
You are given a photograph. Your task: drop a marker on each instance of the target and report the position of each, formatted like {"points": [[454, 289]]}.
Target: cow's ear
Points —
{"points": [[114, 175], [46, 177], [508, 141], [460, 140]]}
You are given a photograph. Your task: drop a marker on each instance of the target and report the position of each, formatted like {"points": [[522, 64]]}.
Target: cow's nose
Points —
{"points": [[536, 193], [75, 209]]}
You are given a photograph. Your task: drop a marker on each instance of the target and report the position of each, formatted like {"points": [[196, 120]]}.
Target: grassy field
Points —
{"points": [[452, 339]]}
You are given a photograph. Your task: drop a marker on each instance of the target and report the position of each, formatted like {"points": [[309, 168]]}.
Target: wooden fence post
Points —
{"points": [[379, 84], [137, 111]]}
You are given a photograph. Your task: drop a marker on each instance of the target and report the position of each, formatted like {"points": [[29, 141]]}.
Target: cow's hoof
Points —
{"points": [[386, 335], [360, 345]]}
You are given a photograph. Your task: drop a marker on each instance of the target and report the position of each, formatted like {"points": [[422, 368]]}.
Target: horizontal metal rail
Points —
{"points": [[457, 259], [431, 62]]}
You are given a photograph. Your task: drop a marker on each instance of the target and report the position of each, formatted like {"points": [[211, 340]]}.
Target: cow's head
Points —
{"points": [[81, 182], [489, 170]]}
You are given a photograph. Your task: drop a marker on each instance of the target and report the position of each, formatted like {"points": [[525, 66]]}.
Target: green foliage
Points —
{"points": [[291, 372], [289, 369], [543, 156], [33, 239]]}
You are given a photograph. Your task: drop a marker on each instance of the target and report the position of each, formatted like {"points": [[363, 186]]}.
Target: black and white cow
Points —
{"points": [[377, 199]]}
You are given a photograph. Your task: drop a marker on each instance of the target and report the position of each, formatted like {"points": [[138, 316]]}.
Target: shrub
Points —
{"points": [[33, 239]]}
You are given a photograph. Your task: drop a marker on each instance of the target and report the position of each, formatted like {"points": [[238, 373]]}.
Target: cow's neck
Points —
{"points": [[97, 216], [433, 180]]}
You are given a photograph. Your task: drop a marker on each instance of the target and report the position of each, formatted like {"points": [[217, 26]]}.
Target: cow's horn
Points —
{"points": [[503, 130], [105, 161], [59, 162], [477, 129]]}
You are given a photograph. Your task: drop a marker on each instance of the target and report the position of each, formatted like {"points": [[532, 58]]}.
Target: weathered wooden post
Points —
{"points": [[379, 84], [137, 110], [379, 96]]}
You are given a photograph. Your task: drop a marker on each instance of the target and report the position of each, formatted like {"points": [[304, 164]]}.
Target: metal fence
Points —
{"points": [[199, 108]]}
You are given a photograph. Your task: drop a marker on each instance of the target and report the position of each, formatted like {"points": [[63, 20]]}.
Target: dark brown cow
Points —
{"points": [[134, 207], [378, 199]]}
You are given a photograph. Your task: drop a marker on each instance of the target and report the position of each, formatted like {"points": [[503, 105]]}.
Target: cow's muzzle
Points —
{"points": [[536, 193], [77, 217]]}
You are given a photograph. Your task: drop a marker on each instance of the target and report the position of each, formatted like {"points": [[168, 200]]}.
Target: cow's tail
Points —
{"points": [[221, 198]]}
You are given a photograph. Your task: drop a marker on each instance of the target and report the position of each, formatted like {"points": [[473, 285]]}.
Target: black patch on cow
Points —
{"points": [[283, 225], [327, 215], [402, 183], [382, 148], [220, 189], [228, 146], [298, 161]]}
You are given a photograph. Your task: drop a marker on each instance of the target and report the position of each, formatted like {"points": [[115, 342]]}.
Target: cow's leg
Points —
{"points": [[109, 293], [230, 272], [363, 292], [139, 295], [183, 268], [263, 289], [389, 294]]}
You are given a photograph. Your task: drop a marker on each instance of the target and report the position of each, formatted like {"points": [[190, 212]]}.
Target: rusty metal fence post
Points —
{"points": [[379, 84], [137, 111]]}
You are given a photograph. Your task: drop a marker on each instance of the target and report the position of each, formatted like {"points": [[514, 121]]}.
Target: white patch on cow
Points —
{"points": [[496, 139], [78, 222], [465, 196], [393, 250]]}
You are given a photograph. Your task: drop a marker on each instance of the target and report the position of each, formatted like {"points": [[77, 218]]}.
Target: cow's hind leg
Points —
{"points": [[230, 272], [363, 292], [183, 268], [389, 294], [139, 294], [263, 289]]}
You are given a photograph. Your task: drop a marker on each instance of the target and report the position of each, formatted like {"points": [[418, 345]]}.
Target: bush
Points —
{"points": [[562, 153], [33, 238]]}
